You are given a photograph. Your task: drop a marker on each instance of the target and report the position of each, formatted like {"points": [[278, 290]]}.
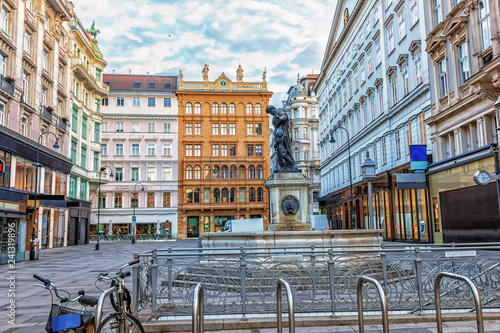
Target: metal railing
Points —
{"points": [[198, 310], [383, 302], [279, 308], [475, 293], [323, 279]]}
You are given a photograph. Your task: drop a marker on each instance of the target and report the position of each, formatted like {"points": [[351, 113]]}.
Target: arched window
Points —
{"points": [[258, 109], [225, 195], [243, 172], [232, 197], [216, 195], [260, 172], [216, 172], [197, 195], [206, 172], [251, 172], [232, 108], [189, 195], [189, 108], [251, 194], [189, 172], [197, 172], [260, 194], [232, 172], [223, 172], [215, 108], [249, 108], [223, 108], [197, 108]]}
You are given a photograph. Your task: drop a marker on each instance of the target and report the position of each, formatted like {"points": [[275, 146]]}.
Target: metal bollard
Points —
{"points": [[383, 301]]}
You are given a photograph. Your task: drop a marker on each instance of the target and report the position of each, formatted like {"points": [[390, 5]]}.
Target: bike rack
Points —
{"points": [[198, 308], [291, 311], [477, 300], [383, 301]]}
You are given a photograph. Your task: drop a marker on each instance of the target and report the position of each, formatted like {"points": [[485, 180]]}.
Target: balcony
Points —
{"points": [[7, 85], [46, 113], [62, 124]]}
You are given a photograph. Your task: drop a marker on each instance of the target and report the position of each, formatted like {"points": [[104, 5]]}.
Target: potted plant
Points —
{"points": [[50, 108], [64, 119], [10, 79]]}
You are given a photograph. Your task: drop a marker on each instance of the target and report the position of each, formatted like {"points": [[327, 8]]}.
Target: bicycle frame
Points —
{"points": [[100, 304]]}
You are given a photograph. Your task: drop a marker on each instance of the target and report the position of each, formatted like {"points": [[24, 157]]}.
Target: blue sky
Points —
{"points": [[286, 37]]}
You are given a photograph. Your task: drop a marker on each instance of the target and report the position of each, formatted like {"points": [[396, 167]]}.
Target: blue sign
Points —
{"points": [[418, 157], [134, 219]]}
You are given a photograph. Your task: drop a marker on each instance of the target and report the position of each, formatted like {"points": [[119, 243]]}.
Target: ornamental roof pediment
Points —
{"points": [[435, 45], [455, 25]]}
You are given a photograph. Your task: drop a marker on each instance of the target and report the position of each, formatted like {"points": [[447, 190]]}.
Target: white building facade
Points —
{"points": [[374, 97]]}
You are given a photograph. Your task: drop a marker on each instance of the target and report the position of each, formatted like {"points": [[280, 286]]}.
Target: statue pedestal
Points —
{"points": [[286, 189]]}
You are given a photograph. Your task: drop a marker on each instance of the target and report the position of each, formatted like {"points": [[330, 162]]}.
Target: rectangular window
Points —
{"points": [[136, 101], [394, 88], [232, 129], [167, 173], [398, 144], [4, 24], [166, 149], [437, 12], [409, 136], [250, 150], [134, 174], [152, 85], [151, 149], [104, 149], [96, 161], [223, 129], [150, 200], [74, 144], [118, 174], [83, 157], [151, 101], [167, 199], [258, 150], [74, 120], [167, 86], [119, 127], [137, 84], [463, 58], [414, 11], [151, 174], [189, 150], [418, 67], [134, 200], [105, 101], [72, 186], [215, 129], [134, 149], [223, 150], [423, 130], [151, 127], [98, 75], [378, 53], [206, 195], [215, 150], [120, 101], [118, 200], [401, 23], [384, 151], [119, 149], [27, 42], [249, 129], [97, 132], [135, 127], [189, 128], [197, 150], [484, 23], [197, 128], [232, 150], [405, 78], [243, 194], [84, 127], [167, 127], [443, 80], [167, 102], [258, 129]]}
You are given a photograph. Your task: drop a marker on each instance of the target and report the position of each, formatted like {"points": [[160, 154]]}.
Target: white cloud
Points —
{"points": [[255, 34]]}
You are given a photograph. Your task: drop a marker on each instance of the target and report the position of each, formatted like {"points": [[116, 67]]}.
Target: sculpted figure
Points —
{"points": [[204, 71], [282, 142], [239, 74]]}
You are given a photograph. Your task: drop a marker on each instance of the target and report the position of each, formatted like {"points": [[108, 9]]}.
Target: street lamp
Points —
{"points": [[99, 202], [135, 204], [35, 216], [368, 173], [332, 139]]}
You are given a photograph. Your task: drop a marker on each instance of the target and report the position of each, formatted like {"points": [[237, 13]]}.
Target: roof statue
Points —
{"points": [[239, 73], [181, 76], [93, 31], [204, 71]]}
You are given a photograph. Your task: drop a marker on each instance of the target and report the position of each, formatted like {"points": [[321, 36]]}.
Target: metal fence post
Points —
{"points": [[331, 274], [135, 285], [169, 273], [383, 258], [313, 271], [418, 275], [154, 281], [243, 282]]}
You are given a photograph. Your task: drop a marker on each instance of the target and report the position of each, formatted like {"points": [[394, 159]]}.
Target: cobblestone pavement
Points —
{"points": [[70, 268]]}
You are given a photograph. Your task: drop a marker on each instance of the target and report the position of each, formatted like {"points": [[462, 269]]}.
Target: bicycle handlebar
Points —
{"points": [[46, 282]]}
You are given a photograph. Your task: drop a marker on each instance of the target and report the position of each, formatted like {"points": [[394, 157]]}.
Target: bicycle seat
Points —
{"points": [[88, 300]]}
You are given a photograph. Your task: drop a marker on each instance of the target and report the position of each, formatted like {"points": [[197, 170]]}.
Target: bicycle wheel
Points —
{"points": [[120, 323]]}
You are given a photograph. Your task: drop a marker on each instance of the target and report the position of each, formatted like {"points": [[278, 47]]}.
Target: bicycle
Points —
{"points": [[122, 320], [67, 320]]}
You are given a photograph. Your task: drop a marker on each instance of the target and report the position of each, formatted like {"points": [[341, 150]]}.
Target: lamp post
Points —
{"points": [[35, 215], [99, 203], [353, 222], [368, 173], [133, 217]]}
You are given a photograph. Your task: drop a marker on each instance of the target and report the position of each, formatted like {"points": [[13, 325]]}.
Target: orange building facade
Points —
{"points": [[223, 153]]}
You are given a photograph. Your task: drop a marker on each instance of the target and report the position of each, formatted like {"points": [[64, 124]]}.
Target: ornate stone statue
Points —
{"points": [[239, 73], [181, 76], [281, 141], [204, 71]]}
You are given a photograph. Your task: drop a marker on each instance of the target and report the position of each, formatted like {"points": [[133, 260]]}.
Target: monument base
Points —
{"points": [[305, 239]]}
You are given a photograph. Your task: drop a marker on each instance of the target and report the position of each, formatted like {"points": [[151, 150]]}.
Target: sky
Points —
{"points": [[284, 37]]}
